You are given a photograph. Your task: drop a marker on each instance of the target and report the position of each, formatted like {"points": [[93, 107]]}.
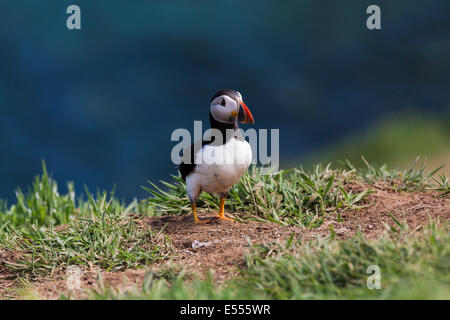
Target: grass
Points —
{"points": [[288, 197], [295, 196], [107, 238], [442, 185], [42, 204], [52, 231], [415, 178], [49, 230], [412, 266]]}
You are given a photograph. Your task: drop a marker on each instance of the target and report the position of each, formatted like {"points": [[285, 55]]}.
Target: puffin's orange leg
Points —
{"points": [[194, 212], [221, 214]]}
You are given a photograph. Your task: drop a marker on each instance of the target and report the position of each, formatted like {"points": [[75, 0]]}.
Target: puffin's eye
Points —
{"points": [[223, 103]]}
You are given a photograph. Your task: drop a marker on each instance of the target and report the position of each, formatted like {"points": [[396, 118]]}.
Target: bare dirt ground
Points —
{"points": [[7, 278], [221, 245]]}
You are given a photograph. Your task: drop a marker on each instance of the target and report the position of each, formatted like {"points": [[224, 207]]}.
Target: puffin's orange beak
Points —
{"points": [[244, 116]]}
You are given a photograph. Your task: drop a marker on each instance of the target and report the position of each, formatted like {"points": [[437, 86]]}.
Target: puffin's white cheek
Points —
{"points": [[221, 113]]}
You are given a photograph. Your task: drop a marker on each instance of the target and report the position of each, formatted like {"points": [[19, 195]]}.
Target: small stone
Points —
{"points": [[197, 244]]}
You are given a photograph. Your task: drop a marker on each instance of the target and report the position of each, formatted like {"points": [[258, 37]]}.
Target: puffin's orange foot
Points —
{"points": [[196, 219], [207, 220], [222, 217], [221, 213]]}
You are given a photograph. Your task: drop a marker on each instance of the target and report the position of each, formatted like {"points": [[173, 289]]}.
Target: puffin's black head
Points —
{"points": [[227, 106]]}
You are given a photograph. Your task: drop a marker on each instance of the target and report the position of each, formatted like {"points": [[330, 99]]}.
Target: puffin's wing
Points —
{"points": [[186, 168]]}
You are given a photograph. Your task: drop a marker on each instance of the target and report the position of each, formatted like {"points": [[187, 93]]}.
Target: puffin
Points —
{"points": [[217, 162]]}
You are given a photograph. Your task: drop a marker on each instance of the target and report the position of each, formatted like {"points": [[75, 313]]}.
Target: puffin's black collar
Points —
{"points": [[223, 127]]}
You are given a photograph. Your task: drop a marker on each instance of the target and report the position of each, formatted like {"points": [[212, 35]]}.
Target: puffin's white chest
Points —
{"points": [[219, 167]]}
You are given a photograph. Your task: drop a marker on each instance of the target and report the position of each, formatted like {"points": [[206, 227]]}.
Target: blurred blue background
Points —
{"points": [[99, 104]]}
